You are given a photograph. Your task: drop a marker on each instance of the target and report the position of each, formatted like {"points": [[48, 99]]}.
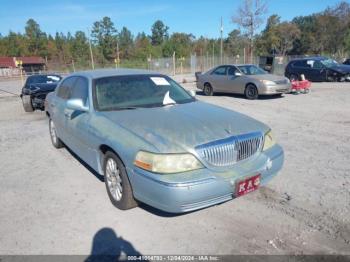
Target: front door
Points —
{"points": [[78, 124], [234, 83]]}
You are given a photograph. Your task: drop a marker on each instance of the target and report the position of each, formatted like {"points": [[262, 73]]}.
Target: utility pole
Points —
{"points": [[91, 55], [213, 53], [221, 42], [118, 59], [174, 65]]}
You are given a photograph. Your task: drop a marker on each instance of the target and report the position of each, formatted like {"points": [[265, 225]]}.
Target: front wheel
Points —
{"points": [[56, 142], [27, 103], [117, 182], [251, 92]]}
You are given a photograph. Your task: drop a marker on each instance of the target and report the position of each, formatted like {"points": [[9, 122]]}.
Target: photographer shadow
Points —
{"points": [[108, 247]]}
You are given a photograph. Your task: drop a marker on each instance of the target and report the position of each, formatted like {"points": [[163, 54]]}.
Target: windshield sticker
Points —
{"points": [[55, 78], [168, 100], [311, 63], [160, 81]]}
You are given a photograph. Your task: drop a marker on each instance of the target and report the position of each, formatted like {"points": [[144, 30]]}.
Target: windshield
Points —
{"points": [[251, 70], [124, 92], [329, 62], [43, 79]]}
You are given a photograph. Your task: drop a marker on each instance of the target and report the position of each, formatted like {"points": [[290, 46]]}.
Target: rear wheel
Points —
{"points": [[56, 142], [208, 90], [293, 77], [27, 104], [117, 182], [251, 92]]}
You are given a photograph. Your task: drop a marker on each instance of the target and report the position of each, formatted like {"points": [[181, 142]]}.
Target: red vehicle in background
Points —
{"points": [[302, 86]]}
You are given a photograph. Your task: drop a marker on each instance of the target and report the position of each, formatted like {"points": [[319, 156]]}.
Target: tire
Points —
{"points": [[251, 92], [117, 182], [27, 104], [208, 90], [56, 142], [293, 77]]}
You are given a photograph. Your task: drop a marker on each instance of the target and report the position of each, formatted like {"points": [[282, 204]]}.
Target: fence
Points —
{"points": [[169, 65], [9, 72]]}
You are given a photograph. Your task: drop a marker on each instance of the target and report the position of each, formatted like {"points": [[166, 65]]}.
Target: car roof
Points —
{"points": [[235, 65], [100, 73], [38, 75], [308, 58]]}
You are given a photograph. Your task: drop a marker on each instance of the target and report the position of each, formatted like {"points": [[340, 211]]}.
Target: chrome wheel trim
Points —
{"points": [[114, 181], [53, 132], [251, 91], [207, 89]]}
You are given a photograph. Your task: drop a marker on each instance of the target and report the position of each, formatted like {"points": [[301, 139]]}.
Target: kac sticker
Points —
{"points": [[160, 81]]}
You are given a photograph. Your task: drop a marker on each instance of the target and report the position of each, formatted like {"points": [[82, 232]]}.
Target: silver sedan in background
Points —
{"points": [[249, 80]]}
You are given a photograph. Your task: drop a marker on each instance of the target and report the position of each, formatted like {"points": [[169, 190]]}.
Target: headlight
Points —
{"points": [[166, 163], [268, 82], [269, 141]]}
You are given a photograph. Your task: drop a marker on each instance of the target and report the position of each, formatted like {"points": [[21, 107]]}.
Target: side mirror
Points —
{"points": [[238, 74], [192, 93], [77, 105]]}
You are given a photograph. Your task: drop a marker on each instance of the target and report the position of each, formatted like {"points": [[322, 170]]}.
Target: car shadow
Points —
{"points": [[97, 175], [107, 246], [147, 208], [160, 213], [263, 97]]}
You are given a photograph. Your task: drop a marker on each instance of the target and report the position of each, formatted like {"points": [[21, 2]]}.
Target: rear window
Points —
{"points": [[300, 63], [43, 79]]}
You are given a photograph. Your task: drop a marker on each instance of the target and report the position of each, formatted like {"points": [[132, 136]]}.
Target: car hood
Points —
{"points": [[181, 127], [267, 77], [344, 69]]}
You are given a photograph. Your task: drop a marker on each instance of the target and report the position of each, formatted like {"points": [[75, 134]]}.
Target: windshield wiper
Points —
{"points": [[125, 108]]}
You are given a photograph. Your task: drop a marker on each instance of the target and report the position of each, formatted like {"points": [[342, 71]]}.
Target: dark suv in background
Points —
{"points": [[35, 90], [317, 69]]}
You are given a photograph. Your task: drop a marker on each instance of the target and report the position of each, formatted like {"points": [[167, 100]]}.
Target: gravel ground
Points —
{"points": [[52, 204]]}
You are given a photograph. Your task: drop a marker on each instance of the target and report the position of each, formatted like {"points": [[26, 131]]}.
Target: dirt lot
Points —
{"points": [[51, 204]]}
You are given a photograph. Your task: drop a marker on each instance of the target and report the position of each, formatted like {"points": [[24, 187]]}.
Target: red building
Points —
{"points": [[28, 63]]}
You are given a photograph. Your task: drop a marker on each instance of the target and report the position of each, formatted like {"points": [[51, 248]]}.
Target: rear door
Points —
{"points": [[218, 78], [299, 67], [58, 106]]}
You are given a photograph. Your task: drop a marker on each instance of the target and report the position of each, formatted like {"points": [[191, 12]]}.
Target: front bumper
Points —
{"points": [[275, 89], [37, 99], [214, 188]]}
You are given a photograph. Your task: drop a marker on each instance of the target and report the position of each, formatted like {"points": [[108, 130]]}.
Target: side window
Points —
{"points": [[64, 89], [220, 71], [318, 65], [300, 63], [80, 90], [310, 63], [232, 70]]}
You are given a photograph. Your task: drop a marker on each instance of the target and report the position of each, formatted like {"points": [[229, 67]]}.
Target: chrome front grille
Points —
{"points": [[228, 151]]}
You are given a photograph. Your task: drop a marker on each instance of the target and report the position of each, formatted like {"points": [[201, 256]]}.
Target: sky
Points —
{"points": [[199, 17]]}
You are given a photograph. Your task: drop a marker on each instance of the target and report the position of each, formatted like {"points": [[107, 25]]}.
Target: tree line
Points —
{"points": [[326, 32]]}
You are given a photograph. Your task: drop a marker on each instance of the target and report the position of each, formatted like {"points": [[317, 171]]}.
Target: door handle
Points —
{"points": [[52, 105], [67, 114]]}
